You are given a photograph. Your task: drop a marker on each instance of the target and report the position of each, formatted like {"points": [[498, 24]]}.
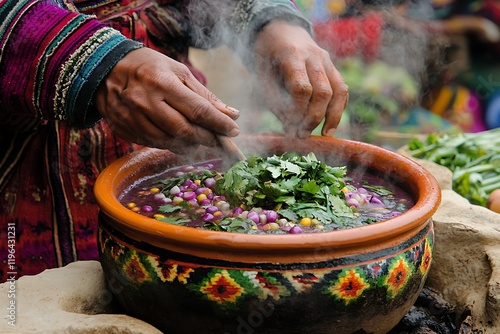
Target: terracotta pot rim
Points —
{"points": [[146, 229]]}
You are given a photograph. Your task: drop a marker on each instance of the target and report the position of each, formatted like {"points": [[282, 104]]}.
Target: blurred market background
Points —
{"points": [[414, 67]]}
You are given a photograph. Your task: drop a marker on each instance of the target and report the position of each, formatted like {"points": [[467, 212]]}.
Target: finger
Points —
{"points": [[201, 90], [233, 113], [133, 125], [127, 121], [299, 86], [172, 124], [203, 104], [321, 96], [178, 126], [148, 120], [338, 102]]}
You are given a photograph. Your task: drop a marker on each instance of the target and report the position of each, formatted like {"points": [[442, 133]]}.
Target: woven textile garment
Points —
{"points": [[53, 145]]}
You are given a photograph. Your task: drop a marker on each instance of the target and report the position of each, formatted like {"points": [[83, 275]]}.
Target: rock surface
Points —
{"points": [[466, 263], [73, 299], [465, 270]]}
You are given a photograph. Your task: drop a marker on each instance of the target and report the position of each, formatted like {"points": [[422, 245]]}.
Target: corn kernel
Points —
{"points": [[131, 205], [177, 200], [197, 182], [158, 216], [306, 221], [154, 190]]}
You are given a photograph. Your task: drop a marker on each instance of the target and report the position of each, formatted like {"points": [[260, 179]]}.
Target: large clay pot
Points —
{"points": [[186, 280]]}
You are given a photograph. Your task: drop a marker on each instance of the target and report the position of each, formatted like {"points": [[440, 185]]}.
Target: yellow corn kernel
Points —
{"points": [[197, 182], [270, 227], [158, 216], [154, 190], [345, 190], [177, 200], [306, 221], [136, 209], [131, 205], [201, 197]]}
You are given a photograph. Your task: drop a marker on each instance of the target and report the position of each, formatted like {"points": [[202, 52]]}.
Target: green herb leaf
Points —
{"points": [[174, 220], [169, 208]]}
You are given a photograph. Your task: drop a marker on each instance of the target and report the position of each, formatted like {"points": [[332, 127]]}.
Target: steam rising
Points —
{"points": [[230, 80]]}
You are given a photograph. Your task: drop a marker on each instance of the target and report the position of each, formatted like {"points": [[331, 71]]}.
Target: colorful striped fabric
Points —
{"points": [[53, 55]]}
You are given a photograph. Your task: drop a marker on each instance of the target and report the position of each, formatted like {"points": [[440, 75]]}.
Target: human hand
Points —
{"points": [[153, 100], [299, 81]]}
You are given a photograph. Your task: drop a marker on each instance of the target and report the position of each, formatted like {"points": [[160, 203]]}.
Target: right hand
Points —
{"points": [[153, 100]]}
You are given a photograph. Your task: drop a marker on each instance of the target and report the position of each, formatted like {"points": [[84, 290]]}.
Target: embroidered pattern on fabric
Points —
{"points": [[72, 69]]}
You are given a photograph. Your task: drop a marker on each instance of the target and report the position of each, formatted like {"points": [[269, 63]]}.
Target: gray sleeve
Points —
{"points": [[236, 23]]}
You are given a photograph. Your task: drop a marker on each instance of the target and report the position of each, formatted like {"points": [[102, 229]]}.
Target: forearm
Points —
{"points": [[53, 60]]}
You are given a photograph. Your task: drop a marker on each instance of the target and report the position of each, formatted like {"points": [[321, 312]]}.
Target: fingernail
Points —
{"points": [[331, 132], [234, 132], [233, 110]]}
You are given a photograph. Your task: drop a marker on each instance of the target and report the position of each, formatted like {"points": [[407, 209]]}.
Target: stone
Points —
{"points": [[466, 262], [72, 299]]}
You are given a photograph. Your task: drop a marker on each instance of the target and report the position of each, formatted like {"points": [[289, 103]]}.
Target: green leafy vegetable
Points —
{"points": [[229, 225], [169, 208], [296, 186], [474, 159], [174, 220]]}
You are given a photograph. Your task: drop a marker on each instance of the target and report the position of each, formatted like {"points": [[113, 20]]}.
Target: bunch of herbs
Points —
{"points": [[293, 185]]}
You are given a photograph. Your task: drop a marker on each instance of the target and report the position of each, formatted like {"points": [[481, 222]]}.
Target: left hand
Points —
{"points": [[300, 83]]}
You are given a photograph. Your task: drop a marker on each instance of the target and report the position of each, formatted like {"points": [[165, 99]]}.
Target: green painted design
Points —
{"points": [[399, 273], [349, 285], [220, 286]]}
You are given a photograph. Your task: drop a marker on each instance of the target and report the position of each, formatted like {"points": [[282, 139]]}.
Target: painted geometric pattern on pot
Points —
{"points": [[224, 287], [392, 274], [426, 261], [227, 287], [169, 271], [349, 285]]}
